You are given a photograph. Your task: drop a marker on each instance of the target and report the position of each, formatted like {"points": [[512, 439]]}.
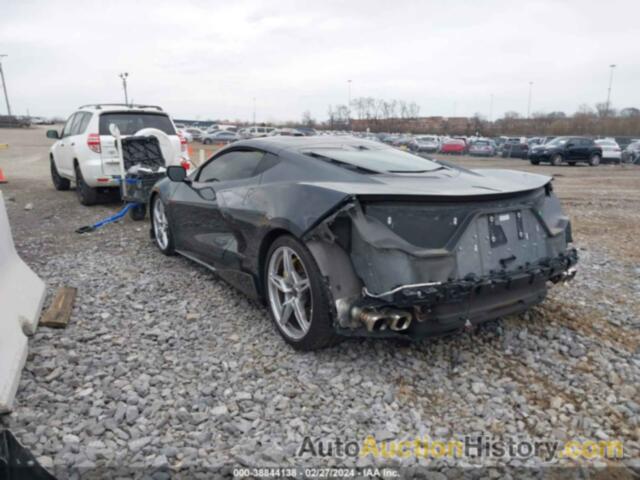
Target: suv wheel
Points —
{"points": [[594, 161], [556, 160], [86, 194], [59, 183], [296, 296], [534, 162], [138, 212]]}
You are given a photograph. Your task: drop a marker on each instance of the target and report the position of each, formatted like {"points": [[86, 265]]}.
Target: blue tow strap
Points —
{"points": [[111, 219]]}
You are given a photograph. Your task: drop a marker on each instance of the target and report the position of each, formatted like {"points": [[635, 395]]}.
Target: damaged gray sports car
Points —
{"points": [[346, 237]]}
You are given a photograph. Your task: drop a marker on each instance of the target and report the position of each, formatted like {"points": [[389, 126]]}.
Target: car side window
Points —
{"points": [[82, 123], [66, 131], [269, 160], [75, 125], [234, 165]]}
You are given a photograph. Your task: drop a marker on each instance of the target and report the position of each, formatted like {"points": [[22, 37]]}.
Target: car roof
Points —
{"points": [[299, 143], [120, 107]]}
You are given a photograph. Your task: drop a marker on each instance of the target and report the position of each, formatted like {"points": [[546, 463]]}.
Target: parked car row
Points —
{"points": [[537, 149], [224, 134]]}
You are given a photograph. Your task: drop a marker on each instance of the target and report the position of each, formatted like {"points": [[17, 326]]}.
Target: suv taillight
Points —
{"points": [[183, 142], [93, 142]]}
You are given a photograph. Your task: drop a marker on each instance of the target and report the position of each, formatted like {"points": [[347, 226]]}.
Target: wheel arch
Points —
{"points": [[152, 197], [265, 244]]}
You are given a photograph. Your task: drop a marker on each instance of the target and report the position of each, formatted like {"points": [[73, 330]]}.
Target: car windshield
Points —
{"points": [[606, 142], [558, 141], [131, 122], [481, 143], [376, 160], [425, 139]]}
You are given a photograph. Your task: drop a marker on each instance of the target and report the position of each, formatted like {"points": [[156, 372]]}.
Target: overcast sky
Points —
{"points": [[206, 59]]}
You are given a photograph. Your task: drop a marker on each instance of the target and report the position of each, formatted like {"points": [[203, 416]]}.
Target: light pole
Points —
{"points": [[4, 85], [349, 105], [254, 111], [529, 102], [612, 66], [124, 76]]}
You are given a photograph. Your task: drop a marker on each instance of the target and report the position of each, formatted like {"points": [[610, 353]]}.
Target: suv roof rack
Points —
{"points": [[98, 106]]}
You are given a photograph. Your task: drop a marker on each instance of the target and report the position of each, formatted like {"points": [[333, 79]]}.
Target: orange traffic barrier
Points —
{"points": [[3, 179]]}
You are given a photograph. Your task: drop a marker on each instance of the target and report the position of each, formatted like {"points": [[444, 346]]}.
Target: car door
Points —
{"points": [[587, 146], [570, 149], [198, 209], [62, 151]]}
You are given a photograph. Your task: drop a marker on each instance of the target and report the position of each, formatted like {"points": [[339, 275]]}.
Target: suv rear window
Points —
{"points": [[131, 122]]}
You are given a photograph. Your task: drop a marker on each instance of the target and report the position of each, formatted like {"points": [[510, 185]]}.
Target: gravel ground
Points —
{"points": [[165, 369]]}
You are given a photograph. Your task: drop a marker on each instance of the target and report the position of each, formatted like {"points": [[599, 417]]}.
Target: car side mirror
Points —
{"points": [[176, 173], [53, 134]]}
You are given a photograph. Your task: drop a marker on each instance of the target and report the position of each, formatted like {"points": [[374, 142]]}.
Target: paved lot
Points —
{"points": [[165, 366]]}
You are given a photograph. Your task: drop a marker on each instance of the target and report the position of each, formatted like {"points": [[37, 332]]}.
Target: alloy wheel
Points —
{"points": [[160, 225], [289, 292]]}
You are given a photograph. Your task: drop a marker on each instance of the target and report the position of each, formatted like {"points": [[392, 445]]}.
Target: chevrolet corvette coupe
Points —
{"points": [[342, 236]]}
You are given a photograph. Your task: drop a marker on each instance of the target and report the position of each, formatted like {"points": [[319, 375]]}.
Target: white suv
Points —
{"points": [[86, 152]]}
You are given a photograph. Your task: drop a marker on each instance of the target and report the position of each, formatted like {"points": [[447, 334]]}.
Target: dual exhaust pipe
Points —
{"points": [[379, 320]]}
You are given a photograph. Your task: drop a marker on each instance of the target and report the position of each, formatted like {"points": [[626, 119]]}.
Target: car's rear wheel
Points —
{"points": [[572, 164], [59, 183], [296, 296], [86, 194], [534, 162], [556, 160], [594, 161], [161, 228]]}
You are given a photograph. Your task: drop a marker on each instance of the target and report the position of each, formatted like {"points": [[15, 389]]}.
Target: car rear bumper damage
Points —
{"points": [[417, 311], [494, 258]]}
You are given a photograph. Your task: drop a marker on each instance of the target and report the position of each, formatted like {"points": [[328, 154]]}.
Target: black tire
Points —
{"points": [[572, 164], [138, 212], [59, 183], [207, 141], [556, 160], [534, 162], [594, 160], [86, 195], [169, 248], [321, 333]]}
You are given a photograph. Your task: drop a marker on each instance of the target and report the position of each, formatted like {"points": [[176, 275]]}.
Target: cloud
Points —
{"points": [[210, 59]]}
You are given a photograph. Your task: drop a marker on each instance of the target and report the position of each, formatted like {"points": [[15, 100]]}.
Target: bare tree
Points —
{"points": [[413, 110], [307, 120]]}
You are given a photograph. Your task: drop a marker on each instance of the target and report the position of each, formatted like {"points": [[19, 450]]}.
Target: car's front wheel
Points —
{"points": [[59, 183], [594, 161], [161, 228], [296, 296]]}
